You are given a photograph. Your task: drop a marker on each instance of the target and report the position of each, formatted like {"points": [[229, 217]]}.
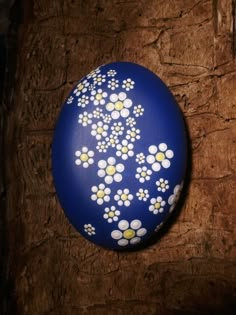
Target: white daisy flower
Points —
{"points": [[157, 205], [107, 118], [142, 194], [84, 157], [110, 170], [113, 84], [82, 87], [100, 194], [70, 100], [138, 110], [123, 197], [173, 199], [99, 79], [98, 97], [83, 101], [130, 121], [119, 105], [89, 229], [140, 158], [99, 130], [162, 184], [128, 84], [93, 73], [159, 156], [102, 146], [98, 113], [111, 214], [85, 119], [128, 233], [133, 134], [112, 140], [117, 129], [111, 73], [124, 149], [143, 174]]}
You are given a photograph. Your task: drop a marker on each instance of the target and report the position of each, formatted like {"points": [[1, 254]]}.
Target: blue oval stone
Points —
{"points": [[119, 155]]}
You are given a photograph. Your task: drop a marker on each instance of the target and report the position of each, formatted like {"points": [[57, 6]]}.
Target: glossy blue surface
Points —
{"points": [[119, 155]]}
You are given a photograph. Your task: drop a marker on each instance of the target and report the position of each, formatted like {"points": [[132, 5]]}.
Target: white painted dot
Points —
{"points": [[108, 179], [123, 225], [102, 164], [100, 201], [127, 203], [77, 153], [77, 162], [120, 167], [122, 96], [176, 189], [136, 224], [124, 112], [165, 163], [152, 149], [110, 107], [128, 103], [150, 159], [94, 197], [106, 198], [118, 178], [115, 114], [94, 189], [169, 154], [123, 242], [156, 167], [141, 232], [101, 173], [135, 240], [114, 97], [116, 234], [107, 191], [111, 160]]}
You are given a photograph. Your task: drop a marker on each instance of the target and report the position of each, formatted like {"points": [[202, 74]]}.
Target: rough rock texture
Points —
{"points": [[191, 269]]}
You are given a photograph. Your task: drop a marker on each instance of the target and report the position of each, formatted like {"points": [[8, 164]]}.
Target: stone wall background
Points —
{"points": [[51, 269]]}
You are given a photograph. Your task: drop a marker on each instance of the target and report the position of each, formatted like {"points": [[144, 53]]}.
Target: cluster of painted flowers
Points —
{"points": [[112, 121]]}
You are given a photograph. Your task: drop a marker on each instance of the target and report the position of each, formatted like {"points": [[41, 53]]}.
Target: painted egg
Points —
{"points": [[119, 155]]}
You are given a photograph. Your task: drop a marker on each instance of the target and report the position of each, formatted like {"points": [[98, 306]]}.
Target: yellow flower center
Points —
{"points": [[110, 170], [84, 157], [128, 84], [160, 156], [133, 134], [119, 105], [138, 110], [85, 118], [163, 185], [112, 141], [142, 194], [157, 205], [143, 174], [124, 149], [111, 214], [99, 96], [117, 128], [100, 194], [124, 197], [99, 130], [128, 234]]}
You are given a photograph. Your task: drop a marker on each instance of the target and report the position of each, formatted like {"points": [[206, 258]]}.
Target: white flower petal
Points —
{"points": [[150, 159], [116, 234], [123, 242], [169, 154], [165, 163], [120, 168], [135, 224], [135, 240], [123, 225], [152, 149], [108, 179], [117, 178], [156, 167]]}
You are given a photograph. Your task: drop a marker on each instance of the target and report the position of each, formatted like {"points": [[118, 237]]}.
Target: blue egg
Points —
{"points": [[119, 155]]}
